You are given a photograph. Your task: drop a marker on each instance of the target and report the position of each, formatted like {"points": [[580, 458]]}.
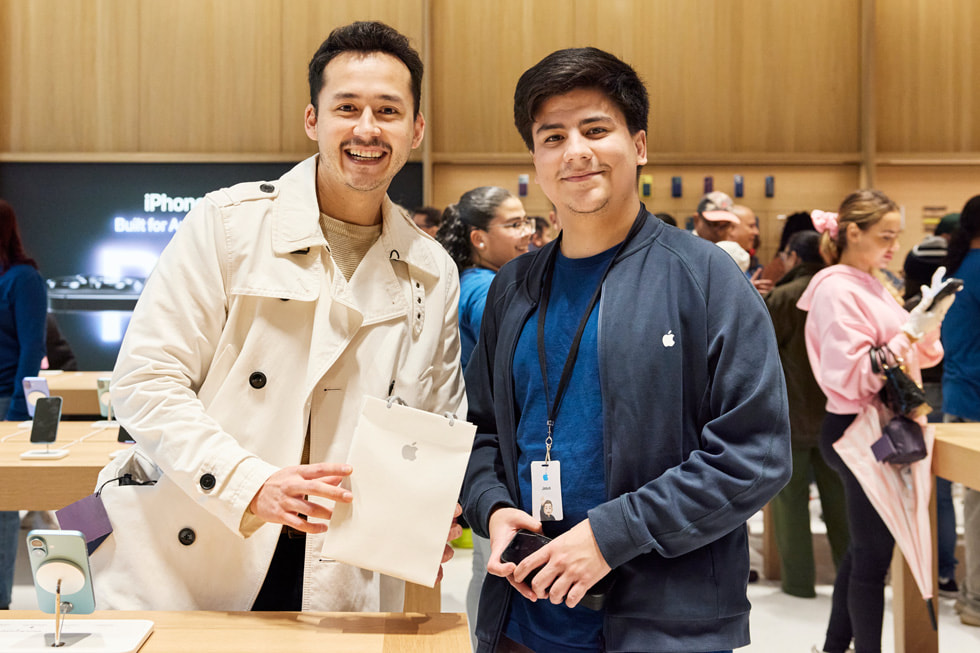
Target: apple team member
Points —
{"points": [[275, 310], [486, 228], [24, 302], [628, 373]]}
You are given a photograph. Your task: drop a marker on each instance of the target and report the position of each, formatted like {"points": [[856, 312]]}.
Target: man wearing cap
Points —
{"points": [[715, 221]]}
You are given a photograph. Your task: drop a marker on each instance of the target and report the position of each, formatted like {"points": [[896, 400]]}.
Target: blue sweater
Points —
{"points": [[961, 344], [695, 437], [473, 286], [23, 309]]}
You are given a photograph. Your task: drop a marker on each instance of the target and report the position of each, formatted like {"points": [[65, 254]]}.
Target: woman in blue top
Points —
{"points": [[961, 382], [486, 228], [23, 308]]}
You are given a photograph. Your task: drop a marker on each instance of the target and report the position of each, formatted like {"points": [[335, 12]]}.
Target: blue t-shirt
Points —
{"points": [[474, 283], [577, 441], [961, 343]]}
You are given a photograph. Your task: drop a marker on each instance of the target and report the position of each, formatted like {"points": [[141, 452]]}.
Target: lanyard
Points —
{"points": [[566, 372]]}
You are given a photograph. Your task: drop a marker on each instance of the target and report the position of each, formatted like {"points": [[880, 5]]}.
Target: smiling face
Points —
{"points": [[363, 126], [506, 236], [585, 157], [873, 248]]}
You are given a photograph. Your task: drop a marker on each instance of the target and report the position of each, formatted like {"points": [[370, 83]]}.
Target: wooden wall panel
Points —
{"points": [[724, 75], [305, 24], [798, 188], [68, 73], [210, 76], [928, 66]]}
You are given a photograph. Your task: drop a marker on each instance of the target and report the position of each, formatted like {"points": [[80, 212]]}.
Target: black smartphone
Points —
{"points": [[525, 543], [47, 415], [950, 287]]}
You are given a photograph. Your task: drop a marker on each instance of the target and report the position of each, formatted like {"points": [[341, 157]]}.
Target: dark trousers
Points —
{"points": [[282, 590], [858, 605]]}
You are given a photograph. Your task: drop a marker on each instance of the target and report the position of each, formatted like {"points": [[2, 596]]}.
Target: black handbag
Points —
{"points": [[901, 394], [901, 440]]}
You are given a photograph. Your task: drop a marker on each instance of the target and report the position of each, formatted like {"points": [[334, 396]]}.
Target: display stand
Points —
{"points": [[105, 636], [83, 635], [44, 454], [108, 422]]}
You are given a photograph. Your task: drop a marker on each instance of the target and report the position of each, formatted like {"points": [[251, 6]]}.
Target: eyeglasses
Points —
{"points": [[521, 226]]}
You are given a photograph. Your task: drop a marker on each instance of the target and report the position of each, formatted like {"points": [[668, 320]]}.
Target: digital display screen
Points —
{"points": [[97, 229]]}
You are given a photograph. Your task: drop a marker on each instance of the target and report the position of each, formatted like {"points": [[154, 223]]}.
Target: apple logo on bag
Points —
{"points": [[668, 339], [409, 451]]}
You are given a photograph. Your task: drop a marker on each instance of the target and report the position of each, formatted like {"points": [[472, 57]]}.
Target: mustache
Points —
{"points": [[358, 142]]}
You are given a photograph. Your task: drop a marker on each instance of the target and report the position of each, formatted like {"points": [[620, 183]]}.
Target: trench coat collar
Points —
{"points": [[296, 223]]}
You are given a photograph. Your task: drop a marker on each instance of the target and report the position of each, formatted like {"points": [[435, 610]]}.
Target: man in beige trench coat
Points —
{"points": [[275, 310]]}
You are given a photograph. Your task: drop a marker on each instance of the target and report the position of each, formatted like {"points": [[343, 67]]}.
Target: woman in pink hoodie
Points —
{"points": [[850, 311]]}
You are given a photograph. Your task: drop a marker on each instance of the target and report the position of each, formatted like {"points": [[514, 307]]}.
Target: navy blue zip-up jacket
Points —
{"points": [[696, 437]]}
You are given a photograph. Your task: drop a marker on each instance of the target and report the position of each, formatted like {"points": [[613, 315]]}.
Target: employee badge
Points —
{"points": [[546, 490]]}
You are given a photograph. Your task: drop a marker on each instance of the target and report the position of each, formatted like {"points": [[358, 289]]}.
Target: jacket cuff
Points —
{"points": [[611, 530], [493, 498], [251, 473]]}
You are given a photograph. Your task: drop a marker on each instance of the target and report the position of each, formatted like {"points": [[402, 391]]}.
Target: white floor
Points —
{"points": [[779, 623]]}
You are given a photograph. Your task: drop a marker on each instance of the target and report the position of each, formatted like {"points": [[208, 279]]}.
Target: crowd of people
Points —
{"points": [[638, 432]]}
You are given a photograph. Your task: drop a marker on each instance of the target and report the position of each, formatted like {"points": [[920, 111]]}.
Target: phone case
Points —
{"points": [[35, 387], [523, 544], [950, 287], [61, 555], [102, 387]]}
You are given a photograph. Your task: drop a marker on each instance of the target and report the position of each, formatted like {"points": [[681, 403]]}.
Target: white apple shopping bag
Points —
{"points": [[408, 468]]}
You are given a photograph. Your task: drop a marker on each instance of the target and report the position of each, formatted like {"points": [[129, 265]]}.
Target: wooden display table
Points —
{"points": [[53, 484], [239, 632], [78, 390], [956, 457]]}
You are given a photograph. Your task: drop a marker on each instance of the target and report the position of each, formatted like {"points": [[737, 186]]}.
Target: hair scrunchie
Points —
{"points": [[825, 221]]}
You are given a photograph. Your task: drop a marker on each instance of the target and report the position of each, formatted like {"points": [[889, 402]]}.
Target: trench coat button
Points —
{"points": [[257, 380], [207, 482], [186, 536], [267, 188]]}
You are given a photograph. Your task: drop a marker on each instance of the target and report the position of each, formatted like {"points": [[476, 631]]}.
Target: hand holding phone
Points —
{"points": [[525, 543], [950, 287]]}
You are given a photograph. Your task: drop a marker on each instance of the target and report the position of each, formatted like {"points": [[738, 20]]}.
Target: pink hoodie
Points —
{"points": [[848, 313]]}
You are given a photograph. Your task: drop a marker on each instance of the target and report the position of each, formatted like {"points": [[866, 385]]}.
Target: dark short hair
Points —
{"points": [[574, 68], [795, 222], [433, 216], [366, 37], [806, 244]]}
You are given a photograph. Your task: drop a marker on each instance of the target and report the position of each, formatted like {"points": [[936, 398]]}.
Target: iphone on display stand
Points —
{"points": [[60, 558], [105, 404], [63, 582], [44, 430]]}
